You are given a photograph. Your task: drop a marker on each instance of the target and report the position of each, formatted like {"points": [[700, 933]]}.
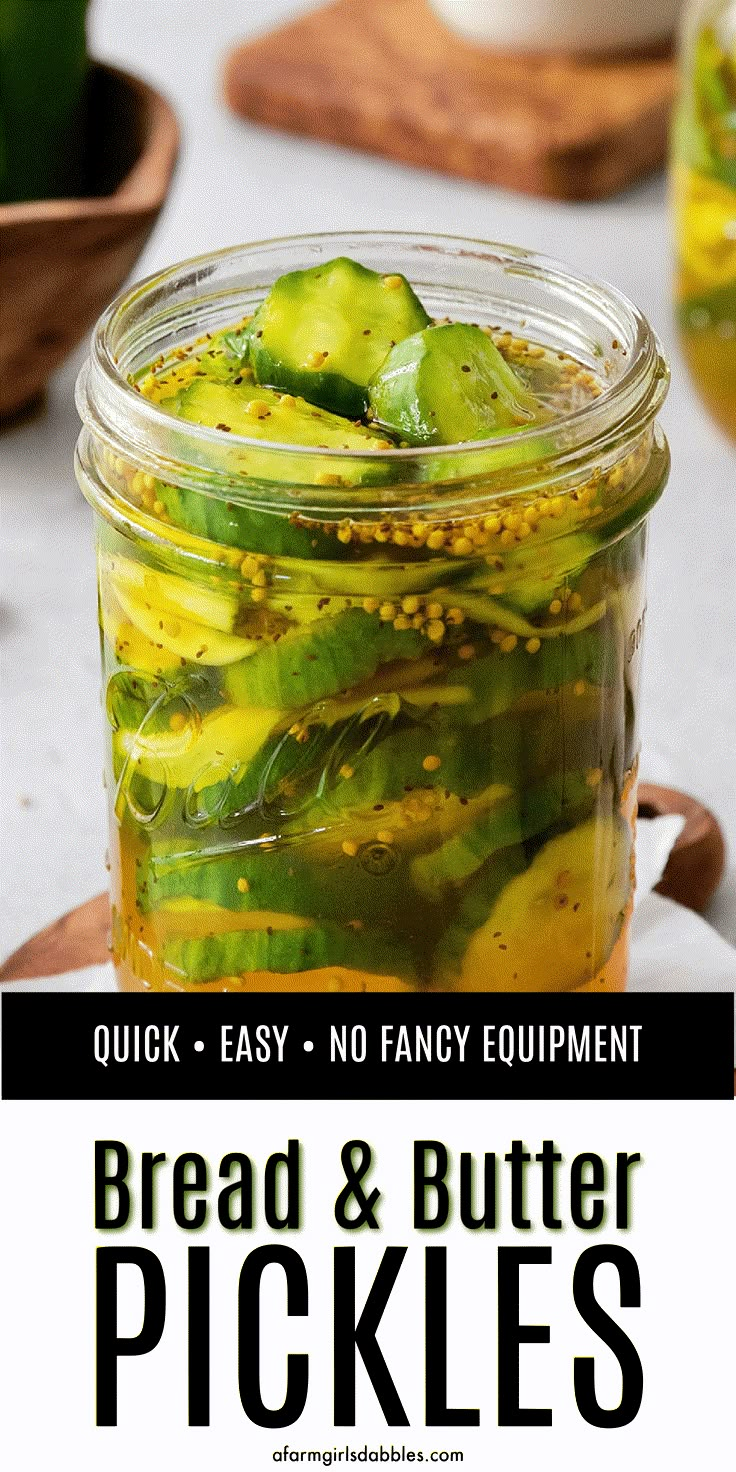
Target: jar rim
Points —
{"points": [[114, 411]]}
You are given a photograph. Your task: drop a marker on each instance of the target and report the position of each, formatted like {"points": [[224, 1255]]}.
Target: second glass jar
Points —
{"points": [[704, 197]]}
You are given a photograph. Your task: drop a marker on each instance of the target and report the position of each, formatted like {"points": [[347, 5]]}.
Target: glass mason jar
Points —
{"points": [[372, 721], [704, 198]]}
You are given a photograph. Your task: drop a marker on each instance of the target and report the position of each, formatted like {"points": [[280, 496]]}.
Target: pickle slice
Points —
{"points": [[182, 636], [510, 823], [417, 756], [478, 898], [217, 608], [449, 384], [198, 753], [275, 419], [493, 684], [131, 647], [324, 332], [553, 926], [279, 418], [533, 573], [233, 525]]}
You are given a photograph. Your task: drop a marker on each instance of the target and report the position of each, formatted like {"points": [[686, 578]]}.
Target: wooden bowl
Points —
{"points": [[697, 862], [64, 259]]}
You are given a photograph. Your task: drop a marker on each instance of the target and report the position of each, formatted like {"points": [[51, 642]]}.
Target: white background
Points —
{"points": [[682, 1238], [237, 182]]}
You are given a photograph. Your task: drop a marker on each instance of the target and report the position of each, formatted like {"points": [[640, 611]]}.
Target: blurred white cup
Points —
{"points": [[560, 25]]}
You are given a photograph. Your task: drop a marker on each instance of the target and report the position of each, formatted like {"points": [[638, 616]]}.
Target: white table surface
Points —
{"points": [[236, 182]]}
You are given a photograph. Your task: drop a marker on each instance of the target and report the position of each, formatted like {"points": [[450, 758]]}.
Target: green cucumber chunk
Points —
{"points": [[511, 719], [324, 332], [361, 778], [496, 464], [449, 384], [462, 762], [301, 770], [43, 81], [231, 525], [533, 573]]}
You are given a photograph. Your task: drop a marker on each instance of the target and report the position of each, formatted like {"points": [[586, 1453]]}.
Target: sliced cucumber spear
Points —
{"points": [[262, 414], [532, 573], [323, 333], [495, 682], [320, 659], [449, 384], [245, 885], [288, 950]]}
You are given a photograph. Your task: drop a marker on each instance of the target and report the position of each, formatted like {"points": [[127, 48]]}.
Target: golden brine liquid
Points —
{"points": [[704, 194]]}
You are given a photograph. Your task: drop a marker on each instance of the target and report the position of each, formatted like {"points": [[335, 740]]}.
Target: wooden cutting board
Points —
{"points": [[388, 77]]}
